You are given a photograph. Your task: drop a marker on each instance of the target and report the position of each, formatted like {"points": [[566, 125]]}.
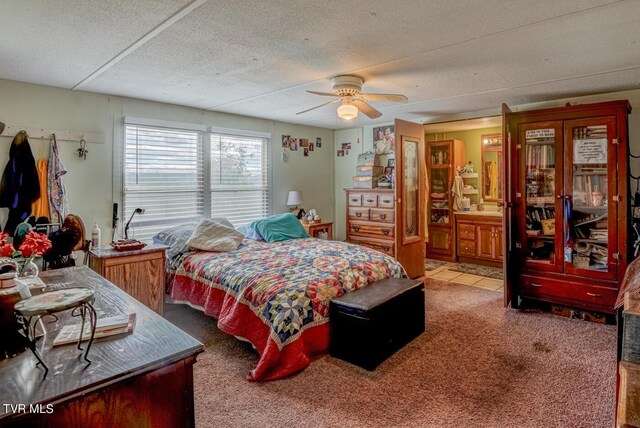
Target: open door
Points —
{"points": [[409, 193], [508, 223]]}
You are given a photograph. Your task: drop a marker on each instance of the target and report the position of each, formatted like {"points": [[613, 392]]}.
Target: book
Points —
{"points": [[111, 326]]}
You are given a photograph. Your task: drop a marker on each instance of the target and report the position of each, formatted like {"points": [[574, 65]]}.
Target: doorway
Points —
{"points": [[463, 209]]}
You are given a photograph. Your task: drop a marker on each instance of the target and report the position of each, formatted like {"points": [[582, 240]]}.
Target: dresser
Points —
{"points": [[371, 219], [140, 273], [143, 379]]}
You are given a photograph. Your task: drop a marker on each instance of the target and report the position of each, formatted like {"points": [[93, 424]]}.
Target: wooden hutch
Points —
{"points": [[567, 205]]}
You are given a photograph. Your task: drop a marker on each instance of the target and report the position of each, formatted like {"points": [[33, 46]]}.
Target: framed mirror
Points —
{"points": [[492, 168]]}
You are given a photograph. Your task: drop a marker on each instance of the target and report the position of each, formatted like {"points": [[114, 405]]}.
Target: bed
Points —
{"points": [[276, 295]]}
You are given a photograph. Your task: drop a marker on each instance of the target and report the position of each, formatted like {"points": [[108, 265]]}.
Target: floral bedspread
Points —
{"points": [[275, 294]]}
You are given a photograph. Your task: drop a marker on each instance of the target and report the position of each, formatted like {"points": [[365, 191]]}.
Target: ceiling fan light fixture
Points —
{"points": [[347, 111]]}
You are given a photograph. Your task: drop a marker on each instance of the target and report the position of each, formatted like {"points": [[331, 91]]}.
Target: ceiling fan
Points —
{"points": [[347, 89]]}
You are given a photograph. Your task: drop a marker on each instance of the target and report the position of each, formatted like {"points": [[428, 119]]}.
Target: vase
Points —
{"points": [[29, 269]]}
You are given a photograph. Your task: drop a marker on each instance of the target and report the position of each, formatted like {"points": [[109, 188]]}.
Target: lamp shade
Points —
{"points": [[347, 111], [294, 198]]}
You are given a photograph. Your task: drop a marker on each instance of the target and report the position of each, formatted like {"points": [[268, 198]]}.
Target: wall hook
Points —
{"points": [[82, 151]]}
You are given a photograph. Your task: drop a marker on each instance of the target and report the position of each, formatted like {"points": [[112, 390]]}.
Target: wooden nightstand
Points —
{"points": [[140, 273], [320, 226]]}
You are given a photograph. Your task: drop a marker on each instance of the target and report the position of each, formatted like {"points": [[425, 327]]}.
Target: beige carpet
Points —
{"points": [[478, 365]]}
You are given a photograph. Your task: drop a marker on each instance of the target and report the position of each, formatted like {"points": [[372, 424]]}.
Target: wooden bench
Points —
{"points": [[372, 323]]}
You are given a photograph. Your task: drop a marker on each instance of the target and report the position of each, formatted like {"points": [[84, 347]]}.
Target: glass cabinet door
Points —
{"points": [[590, 183], [439, 204], [541, 187]]}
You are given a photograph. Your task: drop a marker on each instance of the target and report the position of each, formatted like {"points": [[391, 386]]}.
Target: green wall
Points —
{"points": [[473, 144]]}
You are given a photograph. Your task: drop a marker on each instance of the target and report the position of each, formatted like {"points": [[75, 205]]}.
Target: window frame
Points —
{"points": [[205, 134]]}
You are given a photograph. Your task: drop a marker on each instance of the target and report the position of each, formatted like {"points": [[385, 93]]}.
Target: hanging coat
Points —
{"points": [[58, 202], [19, 186]]}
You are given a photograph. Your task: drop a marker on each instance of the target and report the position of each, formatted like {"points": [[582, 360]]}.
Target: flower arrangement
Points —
{"points": [[33, 245]]}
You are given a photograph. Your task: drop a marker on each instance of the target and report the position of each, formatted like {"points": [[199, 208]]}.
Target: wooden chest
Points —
{"points": [[371, 324]]}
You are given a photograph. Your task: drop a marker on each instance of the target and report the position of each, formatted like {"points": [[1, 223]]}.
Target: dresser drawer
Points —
{"points": [[383, 215], [358, 213], [466, 231], [377, 230], [385, 201], [369, 200], [355, 199], [386, 247], [557, 291], [466, 247]]}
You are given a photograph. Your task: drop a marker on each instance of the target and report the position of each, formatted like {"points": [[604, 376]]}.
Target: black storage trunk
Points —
{"points": [[371, 324]]}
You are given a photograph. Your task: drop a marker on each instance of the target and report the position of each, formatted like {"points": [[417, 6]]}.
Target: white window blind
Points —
{"points": [[163, 173], [179, 176], [239, 178]]}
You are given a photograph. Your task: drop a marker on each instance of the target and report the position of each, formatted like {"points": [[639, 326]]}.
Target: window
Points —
{"points": [[182, 175]]}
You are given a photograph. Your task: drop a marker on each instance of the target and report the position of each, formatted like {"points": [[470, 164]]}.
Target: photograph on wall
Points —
{"points": [[306, 151], [346, 146], [285, 140], [346, 152], [304, 143], [384, 140], [310, 147], [318, 142], [340, 153], [285, 157], [293, 144]]}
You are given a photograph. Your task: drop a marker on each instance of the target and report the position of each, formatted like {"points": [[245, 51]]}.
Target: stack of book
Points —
{"points": [[104, 327]]}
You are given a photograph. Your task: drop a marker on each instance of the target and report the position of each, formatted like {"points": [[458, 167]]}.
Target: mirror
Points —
{"points": [[492, 168]]}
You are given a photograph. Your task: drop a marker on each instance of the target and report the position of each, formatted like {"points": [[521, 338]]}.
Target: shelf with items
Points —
{"points": [[442, 159], [471, 185]]}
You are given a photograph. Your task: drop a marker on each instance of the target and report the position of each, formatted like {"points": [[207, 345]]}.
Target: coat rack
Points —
{"points": [[44, 134]]}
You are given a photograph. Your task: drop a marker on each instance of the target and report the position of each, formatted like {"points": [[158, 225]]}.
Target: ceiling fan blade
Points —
{"points": [[367, 109], [326, 94], [393, 98], [321, 105]]}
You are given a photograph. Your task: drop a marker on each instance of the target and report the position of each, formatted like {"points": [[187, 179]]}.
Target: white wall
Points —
{"points": [[94, 184], [345, 167]]}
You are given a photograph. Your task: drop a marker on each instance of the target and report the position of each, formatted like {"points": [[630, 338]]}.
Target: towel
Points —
{"points": [[456, 190]]}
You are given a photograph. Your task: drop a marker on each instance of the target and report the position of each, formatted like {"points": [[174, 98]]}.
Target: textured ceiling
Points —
{"points": [[257, 58]]}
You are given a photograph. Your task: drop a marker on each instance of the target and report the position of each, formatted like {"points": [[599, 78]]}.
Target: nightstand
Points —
{"points": [[313, 229], [140, 273]]}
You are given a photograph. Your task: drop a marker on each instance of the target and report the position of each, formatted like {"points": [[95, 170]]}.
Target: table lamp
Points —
{"points": [[295, 198]]}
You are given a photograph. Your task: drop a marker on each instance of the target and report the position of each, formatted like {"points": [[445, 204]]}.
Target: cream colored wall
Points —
{"points": [[345, 169], [94, 184]]}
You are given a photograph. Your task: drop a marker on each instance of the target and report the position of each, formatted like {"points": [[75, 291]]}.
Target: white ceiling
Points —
{"points": [[257, 58]]}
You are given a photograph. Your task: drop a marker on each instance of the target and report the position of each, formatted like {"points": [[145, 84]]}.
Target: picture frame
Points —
{"points": [[384, 140], [391, 163], [318, 142]]}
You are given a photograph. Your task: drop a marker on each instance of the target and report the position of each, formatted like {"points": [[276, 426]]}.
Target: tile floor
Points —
{"points": [[443, 273]]}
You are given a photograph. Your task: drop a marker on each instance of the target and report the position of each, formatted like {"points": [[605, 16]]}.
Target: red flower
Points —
{"points": [[6, 250], [3, 237], [34, 244]]}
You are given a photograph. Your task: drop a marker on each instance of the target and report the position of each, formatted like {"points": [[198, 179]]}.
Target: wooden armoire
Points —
{"points": [[567, 209]]}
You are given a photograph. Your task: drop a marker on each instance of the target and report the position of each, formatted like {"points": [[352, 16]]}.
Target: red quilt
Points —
{"points": [[276, 295]]}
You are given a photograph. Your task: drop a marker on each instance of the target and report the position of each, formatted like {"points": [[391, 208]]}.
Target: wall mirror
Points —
{"points": [[492, 167]]}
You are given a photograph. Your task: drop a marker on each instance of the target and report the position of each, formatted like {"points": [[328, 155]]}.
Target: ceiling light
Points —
{"points": [[347, 111]]}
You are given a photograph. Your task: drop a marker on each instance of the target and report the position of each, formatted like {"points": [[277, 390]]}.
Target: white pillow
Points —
{"points": [[211, 235]]}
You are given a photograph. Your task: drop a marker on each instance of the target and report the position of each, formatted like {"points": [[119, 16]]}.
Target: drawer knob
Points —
{"points": [[386, 201], [594, 294], [356, 228], [385, 231], [370, 200], [383, 216], [354, 200], [386, 247], [358, 214]]}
